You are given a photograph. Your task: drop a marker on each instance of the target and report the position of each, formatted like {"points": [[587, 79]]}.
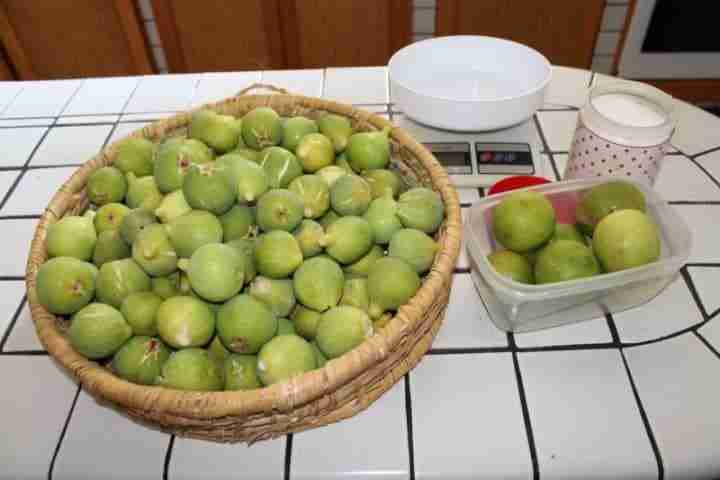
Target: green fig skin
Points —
{"points": [[391, 283], [355, 293], [331, 173], [174, 159], [305, 321], [65, 284], [261, 128], [143, 192], [141, 359], [247, 154], [342, 162], [421, 208], [326, 220], [318, 283], [172, 206], [135, 155], [192, 369], [383, 182], [219, 132], [72, 236], [106, 185], [341, 329], [320, 357], [153, 251], [120, 278], [294, 129], [314, 193], [134, 222], [348, 239], [383, 219], [314, 152], [216, 272], [284, 357], [279, 209], [110, 246], [245, 324], [139, 310], [238, 222], [191, 231], [601, 200], [205, 188], [415, 247], [281, 166], [244, 176], [369, 150], [350, 195], [98, 330], [310, 235], [241, 372], [337, 128], [277, 254], [278, 295], [361, 267], [285, 327], [246, 248], [109, 217], [185, 321]]}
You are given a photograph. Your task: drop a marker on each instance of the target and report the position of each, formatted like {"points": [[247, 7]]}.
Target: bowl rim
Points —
{"points": [[544, 83]]}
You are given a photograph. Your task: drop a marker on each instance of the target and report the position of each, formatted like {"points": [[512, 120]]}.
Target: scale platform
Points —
{"points": [[479, 159]]}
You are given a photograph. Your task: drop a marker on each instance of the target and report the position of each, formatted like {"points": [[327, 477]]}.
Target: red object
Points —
{"points": [[513, 183]]}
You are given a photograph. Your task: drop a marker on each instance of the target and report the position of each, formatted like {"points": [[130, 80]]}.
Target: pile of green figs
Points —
{"points": [[239, 254]]}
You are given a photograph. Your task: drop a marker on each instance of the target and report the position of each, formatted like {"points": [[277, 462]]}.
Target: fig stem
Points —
{"points": [[183, 264]]}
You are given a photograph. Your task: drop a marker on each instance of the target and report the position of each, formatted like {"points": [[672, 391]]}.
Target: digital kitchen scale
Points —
{"points": [[480, 159]]}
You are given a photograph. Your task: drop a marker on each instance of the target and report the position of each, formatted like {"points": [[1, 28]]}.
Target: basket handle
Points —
{"points": [[260, 86]]}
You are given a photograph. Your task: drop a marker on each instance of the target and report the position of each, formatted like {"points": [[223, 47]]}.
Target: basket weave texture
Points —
{"points": [[345, 386]]}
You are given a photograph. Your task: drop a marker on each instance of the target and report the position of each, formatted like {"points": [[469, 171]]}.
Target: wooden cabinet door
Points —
{"points": [[562, 30], [73, 38], [6, 72]]}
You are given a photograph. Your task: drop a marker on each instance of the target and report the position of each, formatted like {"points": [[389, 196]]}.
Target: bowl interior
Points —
{"points": [[470, 68]]}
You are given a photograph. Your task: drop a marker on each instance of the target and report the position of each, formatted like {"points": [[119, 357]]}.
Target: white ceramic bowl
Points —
{"points": [[468, 83]]}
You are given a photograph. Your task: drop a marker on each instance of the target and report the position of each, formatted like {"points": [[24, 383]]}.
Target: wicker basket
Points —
{"points": [[344, 387]]}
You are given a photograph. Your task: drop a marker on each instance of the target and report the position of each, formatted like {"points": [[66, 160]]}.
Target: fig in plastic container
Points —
{"points": [[241, 372], [326, 220], [141, 360], [391, 283], [261, 128], [626, 239], [565, 260], [245, 324], [277, 254], [65, 284], [205, 188], [72, 236], [216, 271], [134, 222], [314, 193], [279, 209], [106, 185], [361, 267], [139, 310], [276, 294], [331, 173], [246, 248], [415, 247], [120, 278], [383, 219], [220, 132], [523, 221], [238, 222], [284, 357], [305, 321], [348, 239], [295, 128], [318, 283], [383, 182], [337, 128], [369, 150], [285, 327], [192, 369], [98, 331], [601, 200], [153, 251], [355, 293], [174, 159], [135, 155], [350, 195], [280, 165], [566, 231], [194, 229], [172, 206], [512, 265], [185, 322], [109, 217], [421, 208], [310, 235], [110, 246], [341, 329], [314, 152]]}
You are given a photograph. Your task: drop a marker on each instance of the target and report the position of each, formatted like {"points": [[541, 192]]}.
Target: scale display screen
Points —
{"points": [[454, 156], [499, 158]]}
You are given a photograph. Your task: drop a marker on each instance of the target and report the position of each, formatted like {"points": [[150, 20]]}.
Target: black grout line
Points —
{"points": [[693, 292], [12, 278], [566, 348], [704, 170], [556, 152], [467, 350], [409, 420], [613, 330], [707, 343], [694, 202], [704, 152], [592, 77], [11, 325], [559, 109], [47, 167], [168, 457], [62, 433], [664, 337], [644, 417], [20, 217], [24, 353], [36, 125], [549, 153], [702, 264], [461, 270], [525, 410], [288, 456]]}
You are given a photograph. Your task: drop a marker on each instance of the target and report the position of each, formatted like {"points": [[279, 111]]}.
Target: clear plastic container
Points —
{"points": [[518, 307]]}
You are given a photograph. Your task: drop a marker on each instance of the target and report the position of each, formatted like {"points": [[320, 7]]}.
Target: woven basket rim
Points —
{"points": [[281, 397]]}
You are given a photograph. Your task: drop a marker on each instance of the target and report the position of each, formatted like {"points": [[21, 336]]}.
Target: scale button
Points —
{"points": [[486, 157]]}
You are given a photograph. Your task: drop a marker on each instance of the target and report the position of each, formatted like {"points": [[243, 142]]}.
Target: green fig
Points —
{"points": [[238, 222], [314, 152], [421, 208], [172, 206], [216, 271], [309, 235], [192, 369], [245, 324], [191, 231], [72, 236], [261, 128], [391, 283], [348, 238], [142, 192], [277, 254], [567, 231], [284, 357], [318, 283], [341, 329], [415, 247], [246, 247], [135, 155], [337, 128], [153, 251], [247, 154], [65, 284], [314, 193], [205, 188], [383, 182], [245, 176], [361, 267], [350, 195], [134, 222], [140, 360], [110, 216], [601, 200], [369, 150], [285, 327], [295, 129], [174, 285], [175, 158], [185, 322], [330, 174], [512, 265], [355, 293], [320, 358], [305, 321], [241, 372], [383, 219], [327, 219], [217, 350], [98, 331], [140, 310], [106, 185], [279, 209], [110, 246], [219, 132], [120, 278], [278, 295], [280, 165], [342, 162]]}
